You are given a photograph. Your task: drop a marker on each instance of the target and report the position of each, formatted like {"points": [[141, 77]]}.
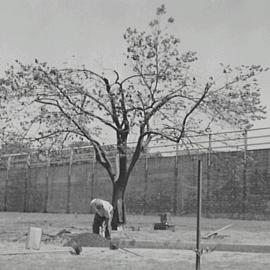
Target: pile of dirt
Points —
{"points": [[61, 237], [87, 240]]}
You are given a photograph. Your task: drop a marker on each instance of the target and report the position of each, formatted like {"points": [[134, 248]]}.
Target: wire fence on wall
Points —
{"points": [[236, 177]]}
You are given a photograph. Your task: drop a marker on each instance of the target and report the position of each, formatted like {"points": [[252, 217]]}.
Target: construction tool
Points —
{"points": [[209, 235], [165, 222], [116, 246]]}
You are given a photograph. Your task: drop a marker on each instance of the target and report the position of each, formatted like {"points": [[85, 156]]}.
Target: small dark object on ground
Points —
{"points": [[162, 226], [165, 222], [114, 245], [133, 228], [77, 248]]}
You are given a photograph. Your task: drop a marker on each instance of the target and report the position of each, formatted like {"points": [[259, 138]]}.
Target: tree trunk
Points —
{"points": [[119, 186], [119, 214]]}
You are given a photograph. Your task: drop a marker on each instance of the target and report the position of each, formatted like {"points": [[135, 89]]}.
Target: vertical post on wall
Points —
{"points": [[199, 210], [209, 149], [69, 180], [145, 183], [46, 196], [182, 191], [93, 177], [245, 174], [6, 183], [208, 174], [175, 191], [26, 184]]}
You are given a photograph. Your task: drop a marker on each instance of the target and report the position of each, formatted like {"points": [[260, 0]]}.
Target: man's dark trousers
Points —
{"points": [[98, 222]]}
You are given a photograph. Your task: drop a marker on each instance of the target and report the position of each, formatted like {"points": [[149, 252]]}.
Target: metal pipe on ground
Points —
{"points": [[115, 246], [76, 250]]}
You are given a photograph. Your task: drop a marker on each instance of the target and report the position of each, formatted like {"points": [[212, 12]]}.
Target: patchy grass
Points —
{"points": [[99, 259], [14, 227]]}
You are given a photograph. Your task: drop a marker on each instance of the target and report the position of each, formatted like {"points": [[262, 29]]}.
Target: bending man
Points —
{"points": [[103, 216]]}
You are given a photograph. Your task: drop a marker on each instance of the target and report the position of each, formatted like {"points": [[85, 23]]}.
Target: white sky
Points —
{"points": [[230, 31]]}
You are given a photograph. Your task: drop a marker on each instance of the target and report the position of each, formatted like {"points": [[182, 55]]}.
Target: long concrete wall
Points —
{"points": [[233, 186]]}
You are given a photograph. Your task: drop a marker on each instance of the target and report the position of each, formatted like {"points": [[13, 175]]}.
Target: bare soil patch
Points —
{"points": [[87, 240], [61, 229]]}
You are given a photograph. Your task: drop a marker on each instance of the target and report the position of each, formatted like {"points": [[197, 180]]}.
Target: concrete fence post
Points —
{"points": [[93, 177], [69, 180], [208, 192], [27, 184], [8, 164], [46, 195], [145, 183], [244, 207], [175, 186], [182, 190]]}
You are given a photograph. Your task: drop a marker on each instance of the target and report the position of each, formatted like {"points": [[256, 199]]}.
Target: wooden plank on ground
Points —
{"points": [[216, 232]]}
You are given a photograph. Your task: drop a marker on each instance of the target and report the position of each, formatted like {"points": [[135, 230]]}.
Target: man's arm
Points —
{"points": [[108, 210]]}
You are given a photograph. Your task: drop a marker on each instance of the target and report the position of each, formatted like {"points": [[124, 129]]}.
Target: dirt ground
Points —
{"points": [[14, 228]]}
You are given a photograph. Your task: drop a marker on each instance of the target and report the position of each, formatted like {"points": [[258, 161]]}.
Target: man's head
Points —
{"points": [[99, 206], [97, 203]]}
